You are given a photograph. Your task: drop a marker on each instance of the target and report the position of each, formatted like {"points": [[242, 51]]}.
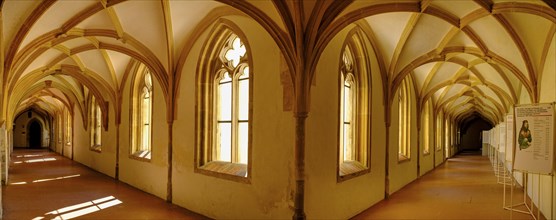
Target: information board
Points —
{"points": [[509, 137], [502, 137], [534, 138]]}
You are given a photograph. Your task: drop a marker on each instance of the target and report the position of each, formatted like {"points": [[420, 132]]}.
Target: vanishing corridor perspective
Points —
{"points": [[268, 109]]}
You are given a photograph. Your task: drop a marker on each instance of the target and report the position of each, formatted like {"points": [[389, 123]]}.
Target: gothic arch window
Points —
{"points": [[439, 131], [142, 115], [404, 112], [447, 134], [224, 108], [68, 127], [426, 128], [354, 116], [95, 124], [60, 126]]}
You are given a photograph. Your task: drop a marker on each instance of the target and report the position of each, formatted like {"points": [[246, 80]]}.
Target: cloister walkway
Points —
{"points": [[45, 185], [464, 187]]}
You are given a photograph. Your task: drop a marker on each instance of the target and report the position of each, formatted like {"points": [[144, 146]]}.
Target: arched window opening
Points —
{"points": [[426, 128], [95, 125], [354, 110], [232, 105], [142, 115], [225, 110], [68, 127], [439, 131], [404, 112], [447, 134]]}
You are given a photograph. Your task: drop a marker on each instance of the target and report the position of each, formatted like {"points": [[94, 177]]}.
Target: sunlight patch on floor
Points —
{"points": [[18, 183], [29, 155], [57, 178], [81, 209], [45, 180], [40, 160]]}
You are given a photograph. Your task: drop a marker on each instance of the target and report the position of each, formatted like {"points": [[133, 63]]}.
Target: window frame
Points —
{"points": [[426, 128], [404, 121], [354, 68], [95, 125], [140, 84], [220, 40], [68, 133], [439, 129]]}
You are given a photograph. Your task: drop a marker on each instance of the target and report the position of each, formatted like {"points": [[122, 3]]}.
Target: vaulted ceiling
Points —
{"points": [[468, 57]]}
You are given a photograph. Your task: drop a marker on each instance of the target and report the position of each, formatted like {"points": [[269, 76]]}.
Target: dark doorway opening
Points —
{"points": [[35, 134], [471, 133]]}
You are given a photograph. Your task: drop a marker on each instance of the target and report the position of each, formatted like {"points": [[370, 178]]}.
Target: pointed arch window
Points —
{"points": [[404, 112], [439, 131], [142, 114], [349, 153], [447, 134], [226, 112], [353, 156], [68, 127], [426, 127], [95, 124], [60, 131]]}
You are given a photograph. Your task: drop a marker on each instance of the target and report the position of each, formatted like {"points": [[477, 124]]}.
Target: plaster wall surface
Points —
{"points": [[270, 191], [325, 196]]}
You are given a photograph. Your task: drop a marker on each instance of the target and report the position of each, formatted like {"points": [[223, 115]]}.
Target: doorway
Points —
{"points": [[471, 130], [35, 134]]}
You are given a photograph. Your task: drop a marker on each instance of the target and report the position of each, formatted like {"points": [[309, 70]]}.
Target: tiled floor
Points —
{"points": [[465, 187], [44, 185]]}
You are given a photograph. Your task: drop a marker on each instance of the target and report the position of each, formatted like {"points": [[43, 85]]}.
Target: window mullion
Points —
{"points": [[214, 151], [235, 115]]}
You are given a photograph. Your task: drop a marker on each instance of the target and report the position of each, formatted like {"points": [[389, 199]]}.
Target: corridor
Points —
{"points": [[45, 185], [464, 187]]}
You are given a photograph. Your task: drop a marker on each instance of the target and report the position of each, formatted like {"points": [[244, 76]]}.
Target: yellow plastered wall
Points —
{"points": [[104, 161], [149, 176], [439, 154], [66, 144], [404, 172], [326, 198], [21, 129], [426, 161], [269, 195]]}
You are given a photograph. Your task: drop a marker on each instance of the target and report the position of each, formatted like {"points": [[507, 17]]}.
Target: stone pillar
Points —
{"points": [[300, 165]]}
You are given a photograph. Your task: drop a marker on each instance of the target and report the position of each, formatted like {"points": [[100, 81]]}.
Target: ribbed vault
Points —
{"points": [[468, 57]]}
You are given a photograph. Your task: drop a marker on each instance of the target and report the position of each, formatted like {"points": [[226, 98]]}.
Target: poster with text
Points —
{"points": [[509, 137], [534, 138]]}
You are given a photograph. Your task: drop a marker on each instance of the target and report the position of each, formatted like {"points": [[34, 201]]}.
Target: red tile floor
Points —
{"points": [[44, 185], [464, 187]]}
